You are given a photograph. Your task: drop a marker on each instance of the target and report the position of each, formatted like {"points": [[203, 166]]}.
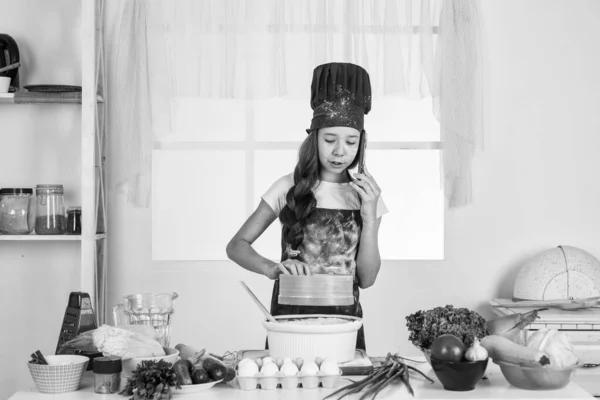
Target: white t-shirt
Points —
{"points": [[332, 232], [329, 195]]}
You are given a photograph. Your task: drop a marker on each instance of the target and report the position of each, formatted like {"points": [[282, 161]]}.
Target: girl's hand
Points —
{"points": [[369, 193], [294, 267], [289, 267]]}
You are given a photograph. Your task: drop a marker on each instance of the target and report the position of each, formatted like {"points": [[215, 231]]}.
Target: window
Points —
{"points": [[209, 175]]}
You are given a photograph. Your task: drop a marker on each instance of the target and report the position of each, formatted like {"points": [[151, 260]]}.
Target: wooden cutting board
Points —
{"points": [[588, 317]]}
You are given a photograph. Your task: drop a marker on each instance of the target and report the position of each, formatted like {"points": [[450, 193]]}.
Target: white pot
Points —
{"points": [[4, 84], [311, 341]]}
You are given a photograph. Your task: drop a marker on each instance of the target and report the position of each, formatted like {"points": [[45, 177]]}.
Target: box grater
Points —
{"points": [[582, 327], [79, 317]]}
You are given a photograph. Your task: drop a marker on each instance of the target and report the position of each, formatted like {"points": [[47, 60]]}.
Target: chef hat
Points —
{"points": [[340, 96]]}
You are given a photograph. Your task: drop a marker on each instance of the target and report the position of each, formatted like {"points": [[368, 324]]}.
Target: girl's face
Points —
{"points": [[338, 147]]}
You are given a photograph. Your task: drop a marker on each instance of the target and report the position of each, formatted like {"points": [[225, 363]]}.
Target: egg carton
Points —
{"points": [[300, 380]]}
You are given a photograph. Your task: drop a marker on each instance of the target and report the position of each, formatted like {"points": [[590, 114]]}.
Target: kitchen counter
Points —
{"points": [[494, 387]]}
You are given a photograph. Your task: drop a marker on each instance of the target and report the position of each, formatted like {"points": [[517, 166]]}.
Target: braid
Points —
{"points": [[300, 199]]}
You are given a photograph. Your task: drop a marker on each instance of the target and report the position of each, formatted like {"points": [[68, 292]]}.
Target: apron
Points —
{"points": [[330, 246]]}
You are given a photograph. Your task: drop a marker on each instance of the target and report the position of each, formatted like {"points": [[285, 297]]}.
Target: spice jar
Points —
{"points": [[73, 221], [107, 374], [16, 211], [50, 210]]}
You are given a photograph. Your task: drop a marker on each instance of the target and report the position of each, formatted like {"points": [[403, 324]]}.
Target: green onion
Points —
{"points": [[392, 370]]}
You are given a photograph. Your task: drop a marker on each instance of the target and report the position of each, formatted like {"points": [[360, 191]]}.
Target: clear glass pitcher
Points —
{"points": [[153, 309]]}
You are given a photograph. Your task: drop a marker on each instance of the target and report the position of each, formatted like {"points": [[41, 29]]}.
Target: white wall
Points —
{"points": [[535, 187], [38, 144]]}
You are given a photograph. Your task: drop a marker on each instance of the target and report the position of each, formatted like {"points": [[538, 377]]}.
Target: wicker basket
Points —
{"points": [[62, 374]]}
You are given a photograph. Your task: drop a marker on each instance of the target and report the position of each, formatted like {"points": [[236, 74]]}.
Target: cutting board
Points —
{"points": [[587, 316]]}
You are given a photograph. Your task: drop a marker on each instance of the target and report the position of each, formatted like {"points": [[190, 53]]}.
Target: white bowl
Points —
{"points": [[62, 374], [130, 365], [311, 341], [191, 389]]}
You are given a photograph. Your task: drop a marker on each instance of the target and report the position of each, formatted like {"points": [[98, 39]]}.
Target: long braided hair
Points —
{"points": [[300, 199]]}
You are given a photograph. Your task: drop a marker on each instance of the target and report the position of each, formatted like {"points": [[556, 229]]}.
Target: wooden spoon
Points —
{"points": [[258, 303]]}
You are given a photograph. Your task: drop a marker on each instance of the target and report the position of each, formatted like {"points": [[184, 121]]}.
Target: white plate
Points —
{"points": [[191, 389]]}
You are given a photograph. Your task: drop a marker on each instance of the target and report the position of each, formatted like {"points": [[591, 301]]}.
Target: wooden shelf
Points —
{"points": [[33, 236], [41, 98]]}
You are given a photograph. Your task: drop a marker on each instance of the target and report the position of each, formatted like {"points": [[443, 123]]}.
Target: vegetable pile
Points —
{"points": [[393, 370], [426, 326], [151, 380]]}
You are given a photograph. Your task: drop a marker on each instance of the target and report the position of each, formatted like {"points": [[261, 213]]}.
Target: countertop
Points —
{"points": [[494, 387]]}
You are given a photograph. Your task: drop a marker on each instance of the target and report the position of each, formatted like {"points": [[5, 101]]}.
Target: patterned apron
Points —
{"points": [[330, 246]]}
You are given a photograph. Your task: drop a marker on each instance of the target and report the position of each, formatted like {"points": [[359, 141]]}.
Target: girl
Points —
{"points": [[330, 218]]}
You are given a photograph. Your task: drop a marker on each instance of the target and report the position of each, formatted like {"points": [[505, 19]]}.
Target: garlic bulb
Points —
{"points": [[476, 352]]}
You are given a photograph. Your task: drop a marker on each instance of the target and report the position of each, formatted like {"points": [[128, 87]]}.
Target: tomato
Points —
{"points": [[448, 348]]}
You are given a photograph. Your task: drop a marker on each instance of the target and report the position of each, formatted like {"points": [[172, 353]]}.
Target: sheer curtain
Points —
{"points": [[163, 50]]}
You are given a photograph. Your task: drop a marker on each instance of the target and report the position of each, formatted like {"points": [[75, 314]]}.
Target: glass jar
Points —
{"points": [[73, 221], [107, 374], [16, 211], [50, 211]]}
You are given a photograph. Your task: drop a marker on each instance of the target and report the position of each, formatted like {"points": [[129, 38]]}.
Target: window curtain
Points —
{"points": [[163, 50]]}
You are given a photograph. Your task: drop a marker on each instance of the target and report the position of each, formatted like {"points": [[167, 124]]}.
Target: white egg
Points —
{"points": [[269, 369], [248, 368], [244, 361], [310, 368], [289, 369], [268, 360], [329, 367], [287, 360]]}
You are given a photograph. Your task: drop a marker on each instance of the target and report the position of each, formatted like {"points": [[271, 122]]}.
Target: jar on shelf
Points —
{"points": [[50, 210], [73, 221], [17, 211]]}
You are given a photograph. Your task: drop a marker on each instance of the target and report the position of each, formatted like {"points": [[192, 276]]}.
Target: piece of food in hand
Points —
{"points": [[199, 376], [183, 368], [215, 368], [425, 326], [447, 348], [557, 345], [476, 352], [502, 349]]}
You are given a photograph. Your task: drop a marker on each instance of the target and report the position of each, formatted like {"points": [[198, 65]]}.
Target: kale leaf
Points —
{"points": [[425, 326]]}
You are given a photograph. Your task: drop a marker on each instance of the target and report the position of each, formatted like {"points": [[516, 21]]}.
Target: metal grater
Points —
{"points": [[79, 317]]}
